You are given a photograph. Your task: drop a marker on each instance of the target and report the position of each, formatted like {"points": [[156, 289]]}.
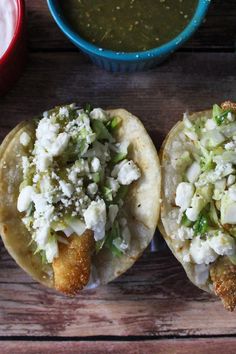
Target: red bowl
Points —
{"points": [[13, 60]]}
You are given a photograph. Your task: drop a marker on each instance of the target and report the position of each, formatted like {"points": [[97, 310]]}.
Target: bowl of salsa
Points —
{"points": [[128, 35], [12, 42]]}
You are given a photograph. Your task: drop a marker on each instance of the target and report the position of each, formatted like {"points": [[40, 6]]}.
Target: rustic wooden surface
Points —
{"points": [[150, 306], [175, 346]]}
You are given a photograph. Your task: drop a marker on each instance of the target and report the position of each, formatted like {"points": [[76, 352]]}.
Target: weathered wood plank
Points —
{"points": [[189, 81], [174, 346], [153, 298], [218, 31]]}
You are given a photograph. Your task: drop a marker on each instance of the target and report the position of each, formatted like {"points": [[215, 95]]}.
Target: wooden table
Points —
{"points": [[153, 308]]}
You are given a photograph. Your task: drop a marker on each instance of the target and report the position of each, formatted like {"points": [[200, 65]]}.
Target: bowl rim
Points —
{"points": [[20, 15], [160, 51]]}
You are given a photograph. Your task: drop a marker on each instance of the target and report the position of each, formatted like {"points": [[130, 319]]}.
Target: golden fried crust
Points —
{"points": [[223, 275], [72, 267], [229, 105]]}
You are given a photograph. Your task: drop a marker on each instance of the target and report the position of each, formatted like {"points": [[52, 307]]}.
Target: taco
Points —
{"points": [[198, 212], [79, 195]]}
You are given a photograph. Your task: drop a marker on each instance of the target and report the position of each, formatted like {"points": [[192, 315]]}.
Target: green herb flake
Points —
{"points": [[219, 115], [201, 226]]}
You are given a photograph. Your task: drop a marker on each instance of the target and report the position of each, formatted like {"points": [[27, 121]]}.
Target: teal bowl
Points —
{"points": [[128, 62]]}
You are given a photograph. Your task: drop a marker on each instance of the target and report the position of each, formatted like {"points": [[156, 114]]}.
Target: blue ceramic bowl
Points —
{"points": [[128, 62]]}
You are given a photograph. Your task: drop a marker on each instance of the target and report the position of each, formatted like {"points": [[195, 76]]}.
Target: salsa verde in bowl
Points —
{"points": [[97, 27]]}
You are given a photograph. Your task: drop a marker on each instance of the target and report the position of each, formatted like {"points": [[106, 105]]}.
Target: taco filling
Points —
{"points": [[76, 176], [205, 200]]}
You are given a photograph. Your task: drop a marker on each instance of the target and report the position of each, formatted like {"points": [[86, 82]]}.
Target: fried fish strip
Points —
{"points": [[229, 105], [223, 275], [72, 267]]}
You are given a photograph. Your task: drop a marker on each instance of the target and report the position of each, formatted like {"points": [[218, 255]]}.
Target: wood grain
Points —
{"points": [[175, 346], [153, 298], [188, 81], [218, 31]]}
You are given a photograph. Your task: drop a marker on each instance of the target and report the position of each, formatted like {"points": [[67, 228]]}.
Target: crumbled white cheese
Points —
{"points": [[42, 234], [100, 114], [92, 189], [60, 144], [25, 198], [185, 233], [95, 218], [25, 139], [64, 112], [95, 164], [126, 172], [45, 184], [222, 244], [113, 184], [46, 132], [230, 146], [192, 214], [51, 250], [43, 161], [184, 194], [221, 170], [67, 188], [201, 252]]}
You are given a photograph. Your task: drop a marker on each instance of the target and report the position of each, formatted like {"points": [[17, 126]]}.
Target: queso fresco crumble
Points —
{"points": [[75, 177], [206, 196]]}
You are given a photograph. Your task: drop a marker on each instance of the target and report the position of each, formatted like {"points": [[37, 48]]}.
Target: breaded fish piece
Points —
{"points": [[223, 275], [72, 267], [229, 105]]}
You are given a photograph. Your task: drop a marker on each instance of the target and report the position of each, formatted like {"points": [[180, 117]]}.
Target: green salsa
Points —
{"points": [[128, 25]]}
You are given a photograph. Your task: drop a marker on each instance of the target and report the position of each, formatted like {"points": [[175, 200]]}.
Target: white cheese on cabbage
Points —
{"points": [[126, 172], [95, 218], [67, 188], [201, 252], [192, 214], [92, 189], [184, 194], [60, 144], [95, 164], [222, 244], [100, 114], [25, 198], [185, 233], [43, 161], [42, 235]]}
